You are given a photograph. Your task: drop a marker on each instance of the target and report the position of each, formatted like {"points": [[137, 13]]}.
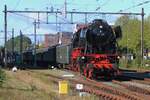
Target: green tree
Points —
{"points": [[131, 40], [26, 42], [147, 32], [131, 28], [131, 32]]}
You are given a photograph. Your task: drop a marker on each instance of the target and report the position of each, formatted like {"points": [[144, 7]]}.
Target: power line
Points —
{"points": [[41, 21], [137, 5], [105, 3], [29, 17], [44, 22], [73, 12], [17, 4], [59, 12], [99, 7]]}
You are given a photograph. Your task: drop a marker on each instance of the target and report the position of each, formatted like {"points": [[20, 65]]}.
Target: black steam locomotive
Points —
{"points": [[94, 51]]}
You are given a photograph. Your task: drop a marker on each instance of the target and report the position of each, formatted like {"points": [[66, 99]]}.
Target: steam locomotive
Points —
{"points": [[94, 50]]}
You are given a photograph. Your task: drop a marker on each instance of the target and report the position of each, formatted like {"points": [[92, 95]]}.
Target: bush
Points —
{"points": [[2, 77]]}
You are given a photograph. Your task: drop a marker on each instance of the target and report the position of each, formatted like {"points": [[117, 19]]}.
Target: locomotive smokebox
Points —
{"points": [[99, 33]]}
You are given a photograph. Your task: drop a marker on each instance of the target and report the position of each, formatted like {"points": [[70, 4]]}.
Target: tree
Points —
{"points": [[131, 28], [40, 46], [147, 32], [26, 42], [131, 31], [131, 40]]}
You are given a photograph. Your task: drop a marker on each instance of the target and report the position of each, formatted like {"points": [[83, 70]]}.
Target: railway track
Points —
{"points": [[87, 88], [147, 80], [97, 88], [135, 79], [128, 95], [142, 92], [132, 87], [141, 82], [112, 90]]}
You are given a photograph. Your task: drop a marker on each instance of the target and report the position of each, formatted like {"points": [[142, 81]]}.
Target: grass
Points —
{"points": [[134, 65], [22, 86], [25, 85], [15, 94], [2, 77]]}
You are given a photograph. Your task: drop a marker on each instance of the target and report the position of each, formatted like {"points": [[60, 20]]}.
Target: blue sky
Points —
{"points": [[26, 25]]}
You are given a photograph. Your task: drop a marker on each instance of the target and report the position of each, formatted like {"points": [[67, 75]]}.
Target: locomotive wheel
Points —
{"points": [[90, 73], [78, 68]]}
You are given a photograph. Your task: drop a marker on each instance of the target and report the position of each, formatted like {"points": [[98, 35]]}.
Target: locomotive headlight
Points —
{"points": [[82, 57], [118, 57], [100, 26], [52, 67]]}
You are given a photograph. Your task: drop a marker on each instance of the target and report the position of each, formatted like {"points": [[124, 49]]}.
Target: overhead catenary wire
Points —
{"points": [[60, 17], [29, 17], [134, 6], [41, 21], [99, 7], [64, 19], [17, 4]]}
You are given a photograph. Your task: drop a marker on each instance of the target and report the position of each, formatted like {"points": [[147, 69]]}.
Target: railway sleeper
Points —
{"points": [[133, 88]]}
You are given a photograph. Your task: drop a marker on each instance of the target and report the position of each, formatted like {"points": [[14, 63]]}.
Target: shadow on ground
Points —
{"points": [[132, 75]]}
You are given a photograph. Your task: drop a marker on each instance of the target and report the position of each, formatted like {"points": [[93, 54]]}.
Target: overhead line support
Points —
{"points": [[75, 12]]}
